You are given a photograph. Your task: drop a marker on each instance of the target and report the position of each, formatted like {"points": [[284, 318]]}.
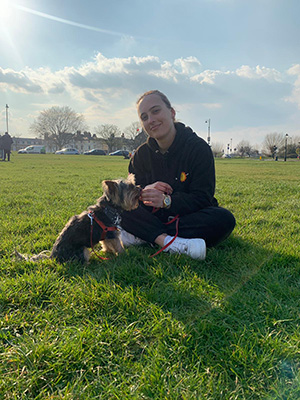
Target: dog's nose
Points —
{"points": [[139, 191]]}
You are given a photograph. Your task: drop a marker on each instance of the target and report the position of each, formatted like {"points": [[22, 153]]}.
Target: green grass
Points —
{"points": [[136, 327]]}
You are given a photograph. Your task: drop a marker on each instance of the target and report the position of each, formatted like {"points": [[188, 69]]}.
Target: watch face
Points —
{"points": [[167, 201]]}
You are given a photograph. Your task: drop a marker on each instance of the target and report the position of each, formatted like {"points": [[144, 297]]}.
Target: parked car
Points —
{"points": [[226, 156], [123, 153], [67, 150], [95, 152], [36, 149]]}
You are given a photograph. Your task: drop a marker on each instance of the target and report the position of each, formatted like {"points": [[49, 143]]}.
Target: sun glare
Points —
{"points": [[6, 12]]}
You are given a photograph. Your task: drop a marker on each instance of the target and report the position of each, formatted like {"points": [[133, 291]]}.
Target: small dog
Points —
{"points": [[88, 228]]}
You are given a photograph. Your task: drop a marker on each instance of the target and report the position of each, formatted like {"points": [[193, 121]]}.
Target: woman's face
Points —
{"points": [[157, 119]]}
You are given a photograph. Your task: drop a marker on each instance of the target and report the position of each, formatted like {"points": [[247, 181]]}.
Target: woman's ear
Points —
{"points": [[173, 112]]}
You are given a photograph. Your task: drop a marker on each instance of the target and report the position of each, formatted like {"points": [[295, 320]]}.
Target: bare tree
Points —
{"points": [[140, 138], [289, 147], [111, 134], [296, 140], [244, 148], [136, 134], [272, 141], [57, 125], [133, 130], [217, 149]]}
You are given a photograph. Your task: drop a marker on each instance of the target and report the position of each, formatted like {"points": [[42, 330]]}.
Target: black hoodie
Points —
{"points": [[188, 166]]}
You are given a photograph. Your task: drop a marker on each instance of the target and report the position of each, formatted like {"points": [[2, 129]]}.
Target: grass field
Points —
{"points": [[135, 327]]}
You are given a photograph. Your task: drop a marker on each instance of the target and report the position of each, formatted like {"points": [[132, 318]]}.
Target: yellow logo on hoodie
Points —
{"points": [[183, 176]]}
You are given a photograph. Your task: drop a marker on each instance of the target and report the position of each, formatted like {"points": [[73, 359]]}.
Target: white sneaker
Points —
{"points": [[195, 248], [130, 240]]}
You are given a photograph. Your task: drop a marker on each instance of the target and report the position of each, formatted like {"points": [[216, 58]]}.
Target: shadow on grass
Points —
{"points": [[234, 272], [232, 317], [239, 308]]}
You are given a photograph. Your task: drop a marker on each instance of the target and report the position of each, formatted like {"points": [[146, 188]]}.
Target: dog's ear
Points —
{"points": [[131, 178], [110, 188]]}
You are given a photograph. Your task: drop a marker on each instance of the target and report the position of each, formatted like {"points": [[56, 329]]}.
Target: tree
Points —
{"points": [[297, 145], [292, 144], [111, 134], [57, 125], [244, 148], [272, 141], [217, 149], [136, 134], [133, 130], [140, 138]]}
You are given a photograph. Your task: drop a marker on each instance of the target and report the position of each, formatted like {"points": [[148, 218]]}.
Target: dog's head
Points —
{"points": [[122, 193]]}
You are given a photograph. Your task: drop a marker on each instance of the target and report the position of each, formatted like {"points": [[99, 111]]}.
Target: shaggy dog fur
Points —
{"points": [[75, 238]]}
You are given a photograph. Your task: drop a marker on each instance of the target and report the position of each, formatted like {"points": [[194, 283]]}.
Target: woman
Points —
{"points": [[176, 170]]}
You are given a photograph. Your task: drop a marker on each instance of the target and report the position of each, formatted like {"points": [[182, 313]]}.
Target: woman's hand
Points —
{"points": [[161, 186], [153, 195]]}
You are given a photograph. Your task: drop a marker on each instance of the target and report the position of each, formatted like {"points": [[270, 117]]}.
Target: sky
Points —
{"points": [[233, 62]]}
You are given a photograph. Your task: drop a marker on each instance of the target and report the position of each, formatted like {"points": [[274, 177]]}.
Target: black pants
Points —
{"points": [[6, 152], [213, 224]]}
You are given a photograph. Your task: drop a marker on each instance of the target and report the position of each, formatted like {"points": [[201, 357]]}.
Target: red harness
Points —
{"points": [[104, 228]]}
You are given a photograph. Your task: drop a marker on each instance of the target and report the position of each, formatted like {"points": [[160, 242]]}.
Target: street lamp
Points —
{"points": [[285, 146], [208, 130], [7, 117]]}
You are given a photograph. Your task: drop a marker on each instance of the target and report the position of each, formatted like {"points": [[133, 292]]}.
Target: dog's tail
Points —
{"points": [[35, 257]]}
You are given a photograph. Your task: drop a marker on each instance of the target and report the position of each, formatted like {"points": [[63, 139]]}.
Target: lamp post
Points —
{"points": [[285, 146], [7, 117], [208, 130]]}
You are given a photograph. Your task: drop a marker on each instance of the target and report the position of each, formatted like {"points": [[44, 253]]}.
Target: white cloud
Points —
{"points": [[258, 72], [212, 105], [181, 68], [208, 76], [18, 82], [294, 70], [105, 89], [295, 96], [188, 66]]}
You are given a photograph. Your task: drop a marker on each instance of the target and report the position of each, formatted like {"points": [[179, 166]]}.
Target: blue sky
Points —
{"points": [[236, 62]]}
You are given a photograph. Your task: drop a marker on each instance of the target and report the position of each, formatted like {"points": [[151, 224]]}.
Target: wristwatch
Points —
{"points": [[167, 201]]}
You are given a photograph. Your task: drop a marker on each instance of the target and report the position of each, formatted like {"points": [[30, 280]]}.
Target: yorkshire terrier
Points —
{"points": [[97, 224]]}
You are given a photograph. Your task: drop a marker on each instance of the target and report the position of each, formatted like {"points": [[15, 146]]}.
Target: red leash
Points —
{"points": [[176, 218], [105, 229]]}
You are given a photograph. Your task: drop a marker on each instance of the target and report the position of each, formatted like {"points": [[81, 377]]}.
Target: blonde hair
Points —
{"points": [[160, 94]]}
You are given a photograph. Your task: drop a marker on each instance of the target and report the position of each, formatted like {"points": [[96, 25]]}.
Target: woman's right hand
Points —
{"points": [[161, 186]]}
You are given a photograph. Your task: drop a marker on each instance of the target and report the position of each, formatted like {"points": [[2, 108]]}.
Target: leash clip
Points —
{"points": [[91, 217]]}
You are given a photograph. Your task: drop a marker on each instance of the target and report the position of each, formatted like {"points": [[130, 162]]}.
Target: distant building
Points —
{"points": [[83, 142], [86, 141], [21, 143]]}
